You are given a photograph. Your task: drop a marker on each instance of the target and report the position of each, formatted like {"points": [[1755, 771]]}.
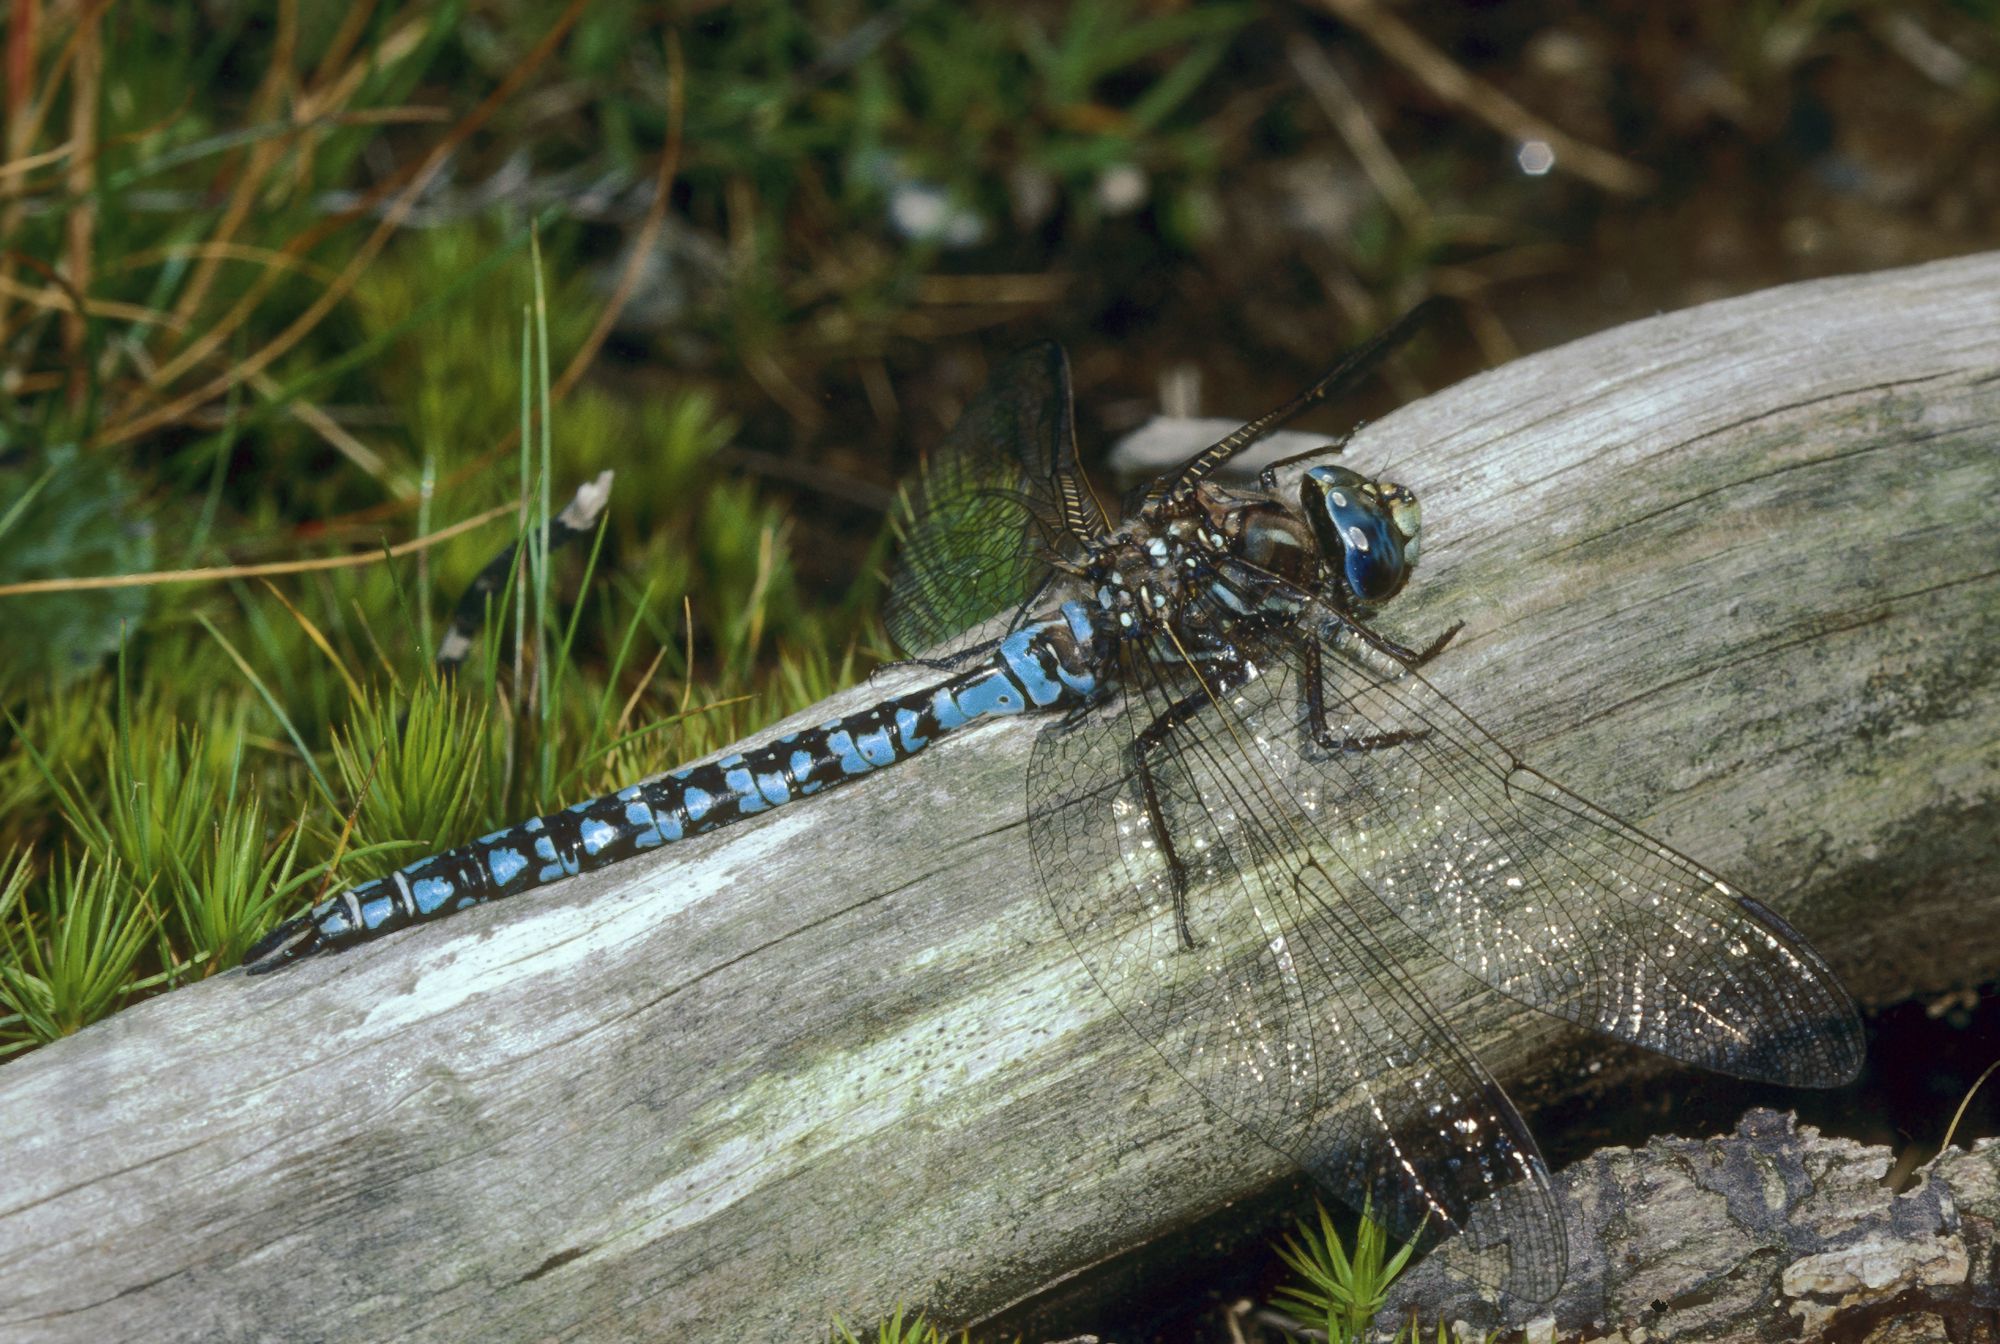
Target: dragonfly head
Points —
{"points": [[1367, 530]]}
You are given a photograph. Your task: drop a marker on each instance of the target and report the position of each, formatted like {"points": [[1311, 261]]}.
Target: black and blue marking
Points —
{"points": [[1049, 664]]}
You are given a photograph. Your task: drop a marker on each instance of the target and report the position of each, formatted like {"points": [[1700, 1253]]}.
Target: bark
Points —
{"points": [[1730, 572], [1771, 1233]]}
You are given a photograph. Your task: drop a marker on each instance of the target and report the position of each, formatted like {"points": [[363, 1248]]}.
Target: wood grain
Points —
{"points": [[1731, 572]]}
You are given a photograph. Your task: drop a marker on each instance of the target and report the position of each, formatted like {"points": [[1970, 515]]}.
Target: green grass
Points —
{"points": [[897, 1330], [1336, 1292], [68, 947], [159, 824], [246, 374], [1335, 1296]]}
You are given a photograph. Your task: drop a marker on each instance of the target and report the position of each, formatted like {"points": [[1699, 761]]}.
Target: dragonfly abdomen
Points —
{"points": [[1043, 665]]}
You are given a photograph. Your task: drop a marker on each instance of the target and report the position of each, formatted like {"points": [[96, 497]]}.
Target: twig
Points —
{"points": [[1335, 99], [251, 571], [434, 163], [1449, 81], [649, 228]]}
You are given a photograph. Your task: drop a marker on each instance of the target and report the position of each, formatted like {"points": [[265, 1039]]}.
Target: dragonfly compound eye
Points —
{"points": [[1367, 529]]}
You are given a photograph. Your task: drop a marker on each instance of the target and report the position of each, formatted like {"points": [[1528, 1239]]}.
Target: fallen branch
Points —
{"points": [[1729, 572]]}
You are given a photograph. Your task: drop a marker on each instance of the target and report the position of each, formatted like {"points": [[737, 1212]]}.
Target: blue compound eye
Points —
{"points": [[1368, 530]]}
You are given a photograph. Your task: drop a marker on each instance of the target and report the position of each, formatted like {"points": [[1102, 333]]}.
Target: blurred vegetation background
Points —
{"points": [[291, 283]]}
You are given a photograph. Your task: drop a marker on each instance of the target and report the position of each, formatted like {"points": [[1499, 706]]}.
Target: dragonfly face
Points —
{"points": [[1367, 530]]}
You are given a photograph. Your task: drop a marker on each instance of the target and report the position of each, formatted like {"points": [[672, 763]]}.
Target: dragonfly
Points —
{"points": [[1253, 816]]}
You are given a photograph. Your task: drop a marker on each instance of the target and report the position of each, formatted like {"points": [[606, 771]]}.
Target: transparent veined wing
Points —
{"points": [[1530, 888], [989, 509], [1272, 983]]}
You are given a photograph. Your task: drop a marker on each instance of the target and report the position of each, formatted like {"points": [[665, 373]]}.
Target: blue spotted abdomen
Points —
{"points": [[1043, 666]]}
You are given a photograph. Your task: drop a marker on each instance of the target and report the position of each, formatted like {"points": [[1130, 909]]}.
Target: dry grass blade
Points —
{"points": [[1952, 1130], [254, 571], [1450, 81], [266, 155], [621, 294], [261, 157], [649, 227], [330, 431], [80, 223], [318, 637], [171, 411], [71, 305], [1351, 121]]}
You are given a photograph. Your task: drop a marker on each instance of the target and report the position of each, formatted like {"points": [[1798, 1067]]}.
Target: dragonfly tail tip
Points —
{"points": [[282, 946]]}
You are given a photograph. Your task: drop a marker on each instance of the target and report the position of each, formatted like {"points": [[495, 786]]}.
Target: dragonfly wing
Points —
{"points": [[1419, 1126], [999, 498], [1533, 890], [1270, 982]]}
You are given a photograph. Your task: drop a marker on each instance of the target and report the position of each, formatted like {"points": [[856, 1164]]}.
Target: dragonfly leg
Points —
{"points": [[1228, 675], [1416, 658], [1322, 732], [1436, 646], [1268, 477]]}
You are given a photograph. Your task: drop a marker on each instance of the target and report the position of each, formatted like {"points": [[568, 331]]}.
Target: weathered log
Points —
{"points": [[1771, 1233], [1731, 572]]}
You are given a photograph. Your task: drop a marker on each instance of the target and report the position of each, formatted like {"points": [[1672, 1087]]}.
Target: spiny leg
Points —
{"points": [[1268, 477], [1411, 659], [952, 662], [1323, 734], [1418, 658], [1227, 676]]}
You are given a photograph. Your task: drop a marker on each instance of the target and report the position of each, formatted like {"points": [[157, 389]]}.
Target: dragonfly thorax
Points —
{"points": [[1142, 575], [1171, 565]]}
